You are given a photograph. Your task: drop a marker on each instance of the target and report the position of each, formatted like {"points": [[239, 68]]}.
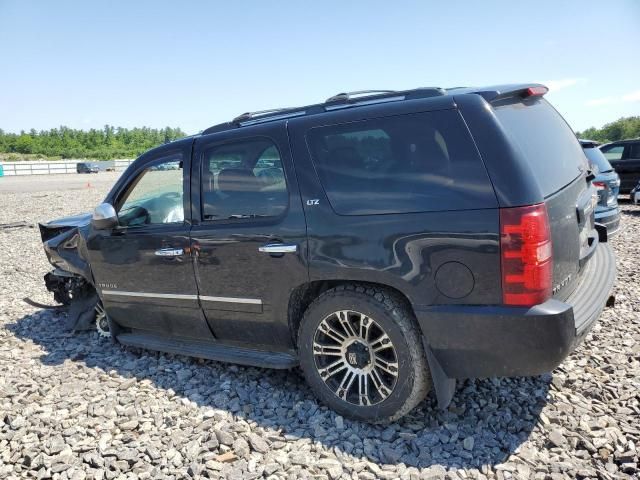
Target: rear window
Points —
{"points": [[546, 140], [410, 163], [597, 158]]}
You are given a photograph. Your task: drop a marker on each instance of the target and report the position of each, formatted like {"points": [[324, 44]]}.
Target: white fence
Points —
{"points": [[62, 166]]}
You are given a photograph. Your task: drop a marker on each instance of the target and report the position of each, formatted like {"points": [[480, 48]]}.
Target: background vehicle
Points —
{"points": [[624, 157], [607, 182], [86, 168], [387, 242], [634, 195]]}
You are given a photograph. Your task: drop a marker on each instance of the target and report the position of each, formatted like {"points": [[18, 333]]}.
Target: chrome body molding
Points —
{"points": [[121, 293], [253, 301]]}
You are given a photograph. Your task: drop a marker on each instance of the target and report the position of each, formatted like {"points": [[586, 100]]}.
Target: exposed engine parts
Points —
{"points": [[84, 306]]}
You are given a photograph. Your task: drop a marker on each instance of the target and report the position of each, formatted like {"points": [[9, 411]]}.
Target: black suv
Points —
{"points": [[389, 243], [624, 157], [83, 167]]}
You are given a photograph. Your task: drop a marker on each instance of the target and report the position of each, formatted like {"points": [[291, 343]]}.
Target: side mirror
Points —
{"points": [[104, 217]]}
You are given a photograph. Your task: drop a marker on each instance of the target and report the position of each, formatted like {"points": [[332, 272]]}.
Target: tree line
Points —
{"points": [[621, 129], [117, 142], [99, 144]]}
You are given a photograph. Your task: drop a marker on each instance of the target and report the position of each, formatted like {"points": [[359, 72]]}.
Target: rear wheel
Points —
{"points": [[362, 354]]}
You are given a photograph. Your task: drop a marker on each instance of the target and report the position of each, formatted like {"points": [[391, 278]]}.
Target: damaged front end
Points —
{"points": [[71, 281]]}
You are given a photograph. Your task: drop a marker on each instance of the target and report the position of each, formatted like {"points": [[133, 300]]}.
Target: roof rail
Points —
{"points": [[339, 101], [371, 97], [250, 118], [346, 96]]}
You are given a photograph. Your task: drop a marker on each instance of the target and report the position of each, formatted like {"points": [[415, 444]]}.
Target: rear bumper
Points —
{"points": [[487, 341], [610, 218]]}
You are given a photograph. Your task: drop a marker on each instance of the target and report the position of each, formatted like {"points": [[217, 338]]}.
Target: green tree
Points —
{"points": [[104, 144], [621, 129], [24, 144]]}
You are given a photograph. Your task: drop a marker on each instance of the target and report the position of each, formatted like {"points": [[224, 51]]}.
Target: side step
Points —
{"points": [[209, 350]]}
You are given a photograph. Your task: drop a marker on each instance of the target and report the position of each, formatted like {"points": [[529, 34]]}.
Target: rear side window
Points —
{"points": [[548, 143], [411, 163], [242, 180], [612, 152], [597, 158], [634, 150]]}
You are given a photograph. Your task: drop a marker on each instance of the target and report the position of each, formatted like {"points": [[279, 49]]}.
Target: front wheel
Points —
{"points": [[362, 353], [102, 321]]}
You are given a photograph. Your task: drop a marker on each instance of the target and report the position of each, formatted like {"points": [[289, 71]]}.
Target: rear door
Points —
{"points": [[621, 158], [558, 165], [248, 234], [630, 165]]}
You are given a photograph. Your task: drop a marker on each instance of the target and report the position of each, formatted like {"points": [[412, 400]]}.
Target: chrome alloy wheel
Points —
{"points": [[102, 322], [355, 358]]}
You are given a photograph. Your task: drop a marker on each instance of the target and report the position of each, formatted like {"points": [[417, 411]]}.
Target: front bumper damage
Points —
{"points": [[71, 281]]}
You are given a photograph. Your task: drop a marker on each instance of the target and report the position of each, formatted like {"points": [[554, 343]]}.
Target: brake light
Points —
{"points": [[599, 185], [535, 91], [527, 257]]}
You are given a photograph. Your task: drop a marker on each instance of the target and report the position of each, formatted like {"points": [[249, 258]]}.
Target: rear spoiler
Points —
{"points": [[504, 92]]}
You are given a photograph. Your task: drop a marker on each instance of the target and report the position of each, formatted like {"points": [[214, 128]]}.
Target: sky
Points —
{"points": [[193, 64]]}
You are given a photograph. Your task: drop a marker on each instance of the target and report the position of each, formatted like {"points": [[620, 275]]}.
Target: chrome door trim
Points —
{"points": [[253, 301], [123, 293], [278, 248], [170, 252]]}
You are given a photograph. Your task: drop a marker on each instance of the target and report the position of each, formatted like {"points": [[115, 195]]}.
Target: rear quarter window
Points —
{"points": [[402, 164], [545, 139], [597, 158]]}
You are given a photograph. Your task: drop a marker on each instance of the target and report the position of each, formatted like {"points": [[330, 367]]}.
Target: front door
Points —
{"points": [[143, 268], [250, 235]]}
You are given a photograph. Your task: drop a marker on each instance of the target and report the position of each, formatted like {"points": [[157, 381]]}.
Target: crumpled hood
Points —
{"points": [[72, 221], [64, 242]]}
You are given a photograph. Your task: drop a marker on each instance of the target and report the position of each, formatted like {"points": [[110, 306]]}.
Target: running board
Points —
{"points": [[209, 350]]}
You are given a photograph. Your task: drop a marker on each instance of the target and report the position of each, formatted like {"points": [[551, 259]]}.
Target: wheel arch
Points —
{"points": [[303, 295]]}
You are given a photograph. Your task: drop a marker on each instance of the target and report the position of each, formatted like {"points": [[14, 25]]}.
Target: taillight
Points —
{"points": [[599, 185], [535, 91], [527, 259]]}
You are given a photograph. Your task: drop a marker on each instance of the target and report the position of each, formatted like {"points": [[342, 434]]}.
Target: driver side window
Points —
{"points": [[155, 196]]}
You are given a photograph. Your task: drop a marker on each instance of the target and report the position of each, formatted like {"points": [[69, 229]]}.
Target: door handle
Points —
{"points": [[170, 252], [278, 248]]}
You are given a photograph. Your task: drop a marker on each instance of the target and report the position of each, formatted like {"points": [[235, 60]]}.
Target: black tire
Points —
{"points": [[386, 312]]}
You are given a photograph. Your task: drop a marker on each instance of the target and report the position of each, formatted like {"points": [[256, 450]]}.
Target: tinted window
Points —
{"points": [[634, 150], [155, 196], [243, 180], [409, 163], [550, 146], [612, 152], [597, 158]]}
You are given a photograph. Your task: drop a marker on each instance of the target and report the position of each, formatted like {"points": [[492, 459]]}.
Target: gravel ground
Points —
{"points": [[77, 406]]}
